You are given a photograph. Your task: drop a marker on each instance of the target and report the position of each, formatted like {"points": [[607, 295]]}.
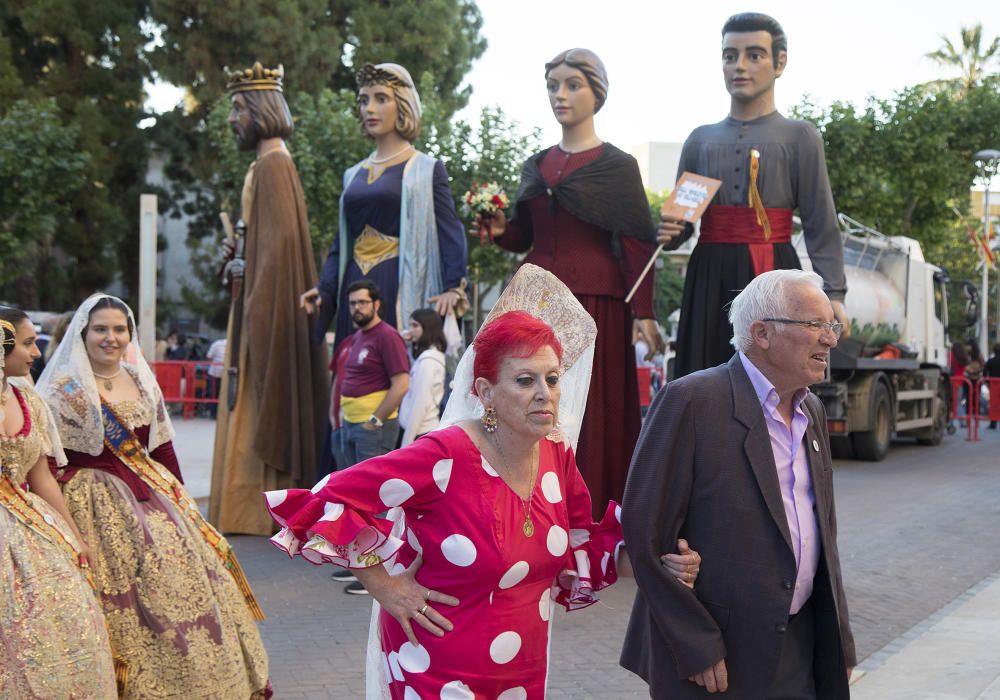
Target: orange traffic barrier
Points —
{"points": [[993, 386], [187, 383], [645, 385]]}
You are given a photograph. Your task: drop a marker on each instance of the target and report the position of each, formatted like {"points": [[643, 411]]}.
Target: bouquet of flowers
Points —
{"points": [[484, 200]]}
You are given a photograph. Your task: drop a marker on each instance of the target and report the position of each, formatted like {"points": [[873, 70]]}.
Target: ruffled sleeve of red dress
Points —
{"points": [[339, 520], [593, 547]]}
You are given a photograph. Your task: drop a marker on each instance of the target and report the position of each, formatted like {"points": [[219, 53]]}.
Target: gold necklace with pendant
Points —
{"points": [[528, 528], [107, 378]]}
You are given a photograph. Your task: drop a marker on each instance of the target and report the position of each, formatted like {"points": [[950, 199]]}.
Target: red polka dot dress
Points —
{"points": [[469, 526]]}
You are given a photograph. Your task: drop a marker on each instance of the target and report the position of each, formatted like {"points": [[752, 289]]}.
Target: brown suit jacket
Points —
{"points": [[703, 469]]}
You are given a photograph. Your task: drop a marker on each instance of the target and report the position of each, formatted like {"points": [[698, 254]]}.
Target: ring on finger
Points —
{"points": [[427, 594], [423, 610]]}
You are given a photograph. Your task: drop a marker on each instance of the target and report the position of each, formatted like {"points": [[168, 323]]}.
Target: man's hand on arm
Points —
{"points": [[684, 565], [714, 679]]}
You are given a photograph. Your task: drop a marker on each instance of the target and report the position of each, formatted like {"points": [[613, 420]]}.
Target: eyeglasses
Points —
{"points": [[359, 302], [835, 327]]}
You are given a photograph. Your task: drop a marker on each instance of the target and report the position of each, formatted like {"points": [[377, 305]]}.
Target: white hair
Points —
{"points": [[764, 297]]}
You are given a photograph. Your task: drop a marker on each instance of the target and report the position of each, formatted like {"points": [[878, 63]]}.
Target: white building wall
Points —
{"points": [[658, 161]]}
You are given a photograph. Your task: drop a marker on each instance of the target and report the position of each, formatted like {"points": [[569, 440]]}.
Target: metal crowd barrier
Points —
{"points": [[187, 383], [993, 411]]}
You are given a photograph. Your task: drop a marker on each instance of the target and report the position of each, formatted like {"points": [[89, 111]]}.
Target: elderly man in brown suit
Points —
{"points": [[736, 460]]}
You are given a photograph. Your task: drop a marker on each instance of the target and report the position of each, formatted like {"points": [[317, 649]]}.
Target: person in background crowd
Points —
{"points": [[421, 408], [992, 370], [376, 377], [177, 346], [973, 371], [957, 360], [58, 333], [160, 349], [217, 356], [42, 339]]}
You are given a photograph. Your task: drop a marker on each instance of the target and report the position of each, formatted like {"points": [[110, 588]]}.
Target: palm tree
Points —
{"points": [[972, 62]]}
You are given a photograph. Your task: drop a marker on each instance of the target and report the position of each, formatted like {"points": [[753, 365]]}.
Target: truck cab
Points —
{"points": [[890, 376]]}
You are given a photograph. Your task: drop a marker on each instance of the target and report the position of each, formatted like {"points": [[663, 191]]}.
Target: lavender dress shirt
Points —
{"points": [[792, 462]]}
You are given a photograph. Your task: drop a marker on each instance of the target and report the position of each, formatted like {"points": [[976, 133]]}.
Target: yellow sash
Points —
{"points": [[373, 247], [16, 502]]}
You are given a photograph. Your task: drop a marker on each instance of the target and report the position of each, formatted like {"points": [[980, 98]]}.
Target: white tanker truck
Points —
{"points": [[890, 376]]}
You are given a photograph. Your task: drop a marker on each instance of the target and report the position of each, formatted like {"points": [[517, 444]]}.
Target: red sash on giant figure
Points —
{"points": [[726, 224]]}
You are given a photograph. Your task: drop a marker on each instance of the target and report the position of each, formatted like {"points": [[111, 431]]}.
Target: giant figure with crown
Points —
{"points": [[273, 396]]}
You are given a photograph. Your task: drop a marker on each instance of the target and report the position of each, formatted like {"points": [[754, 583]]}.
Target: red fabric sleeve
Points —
{"points": [[590, 561], [635, 255], [165, 455], [519, 236], [339, 521]]}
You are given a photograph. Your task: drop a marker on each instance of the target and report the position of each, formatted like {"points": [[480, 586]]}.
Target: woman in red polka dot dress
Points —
{"points": [[496, 526]]}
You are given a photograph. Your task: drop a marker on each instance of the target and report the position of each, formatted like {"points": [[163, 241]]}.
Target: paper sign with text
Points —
{"points": [[690, 197]]}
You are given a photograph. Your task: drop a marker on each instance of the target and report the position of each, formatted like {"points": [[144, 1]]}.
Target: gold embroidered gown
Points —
{"points": [[175, 614], [53, 642]]}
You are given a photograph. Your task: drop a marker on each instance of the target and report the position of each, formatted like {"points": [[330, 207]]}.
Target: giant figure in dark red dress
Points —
{"points": [[583, 214]]}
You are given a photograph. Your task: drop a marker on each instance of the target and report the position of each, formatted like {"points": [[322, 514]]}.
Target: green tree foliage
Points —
{"points": [[902, 164], [88, 56], [320, 43], [493, 150], [669, 283], [35, 191], [95, 57]]}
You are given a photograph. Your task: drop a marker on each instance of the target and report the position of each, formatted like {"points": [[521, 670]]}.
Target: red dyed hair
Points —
{"points": [[514, 334]]}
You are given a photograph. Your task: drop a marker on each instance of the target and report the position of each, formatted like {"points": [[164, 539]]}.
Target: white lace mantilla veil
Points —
{"points": [[544, 296], [69, 388]]}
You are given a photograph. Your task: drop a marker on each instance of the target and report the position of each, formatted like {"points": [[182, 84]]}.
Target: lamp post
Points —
{"points": [[988, 159]]}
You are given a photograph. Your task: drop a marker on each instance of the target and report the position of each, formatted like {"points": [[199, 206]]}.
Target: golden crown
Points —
{"points": [[256, 78]]}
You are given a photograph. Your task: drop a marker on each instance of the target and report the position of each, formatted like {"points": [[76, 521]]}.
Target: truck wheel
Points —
{"points": [[873, 445], [841, 447], [935, 434]]}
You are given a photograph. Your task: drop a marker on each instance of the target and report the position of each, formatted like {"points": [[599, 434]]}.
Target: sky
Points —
{"points": [[664, 61], [663, 56]]}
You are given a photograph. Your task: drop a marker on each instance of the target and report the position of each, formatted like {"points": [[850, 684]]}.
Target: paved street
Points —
{"points": [[917, 532]]}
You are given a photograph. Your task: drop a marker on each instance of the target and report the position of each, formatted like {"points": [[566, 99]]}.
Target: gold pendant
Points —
{"points": [[529, 528], [108, 385]]}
